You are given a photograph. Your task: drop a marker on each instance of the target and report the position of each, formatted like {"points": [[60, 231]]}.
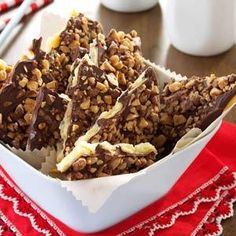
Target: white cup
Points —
{"points": [[129, 5], [201, 27]]}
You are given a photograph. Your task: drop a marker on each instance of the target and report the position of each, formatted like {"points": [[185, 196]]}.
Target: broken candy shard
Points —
{"points": [[103, 159], [32, 73], [79, 32], [73, 42], [13, 126], [10, 97], [134, 118], [220, 105], [17, 104], [195, 102], [18, 95], [120, 54], [92, 92], [46, 118]]}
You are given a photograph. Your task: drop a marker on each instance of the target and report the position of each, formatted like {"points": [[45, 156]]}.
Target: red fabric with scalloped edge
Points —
{"points": [[200, 199]]}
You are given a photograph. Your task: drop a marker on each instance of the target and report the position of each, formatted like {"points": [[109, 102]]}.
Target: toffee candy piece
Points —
{"points": [[46, 118], [18, 95], [120, 54], [4, 72], [92, 92], [33, 73], [73, 42], [79, 32], [14, 115], [134, 118], [195, 102], [103, 159], [60, 67]]}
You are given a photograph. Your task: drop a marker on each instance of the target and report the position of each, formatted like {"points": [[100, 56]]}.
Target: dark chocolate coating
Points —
{"points": [[127, 125], [218, 109], [10, 95], [48, 107], [84, 90]]}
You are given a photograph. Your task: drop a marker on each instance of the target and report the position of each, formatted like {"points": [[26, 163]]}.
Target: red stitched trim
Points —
{"points": [[223, 209], [221, 189], [24, 207], [7, 227], [208, 192]]}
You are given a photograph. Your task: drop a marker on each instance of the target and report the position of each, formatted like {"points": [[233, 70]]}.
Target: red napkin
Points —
{"points": [[200, 199]]}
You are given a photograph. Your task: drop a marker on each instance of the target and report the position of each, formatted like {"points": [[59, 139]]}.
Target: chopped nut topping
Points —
{"points": [[28, 118], [32, 85], [120, 54], [85, 105], [46, 119], [72, 43], [41, 125], [37, 73], [92, 93], [191, 103], [134, 117], [215, 92], [52, 85], [104, 159], [3, 75], [179, 120], [23, 82], [101, 86], [175, 87], [4, 72], [143, 123], [108, 99]]}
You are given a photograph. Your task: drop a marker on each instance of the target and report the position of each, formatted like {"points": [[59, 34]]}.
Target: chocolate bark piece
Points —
{"points": [[5, 70], [60, 67], [17, 105], [119, 53], [135, 116], [92, 92], [79, 32], [48, 113], [103, 159], [33, 73], [18, 95], [195, 102], [73, 42], [14, 119]]}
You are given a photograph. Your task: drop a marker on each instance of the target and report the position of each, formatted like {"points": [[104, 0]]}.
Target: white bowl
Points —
{"points": [[129, 5], [145, 189], [60, 203]]}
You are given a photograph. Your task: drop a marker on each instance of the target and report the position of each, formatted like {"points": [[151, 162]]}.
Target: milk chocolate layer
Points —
{"points": [[46, 118]]}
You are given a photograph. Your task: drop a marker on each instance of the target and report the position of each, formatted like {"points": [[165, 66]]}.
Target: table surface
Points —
{"points": [[155, 44]]}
